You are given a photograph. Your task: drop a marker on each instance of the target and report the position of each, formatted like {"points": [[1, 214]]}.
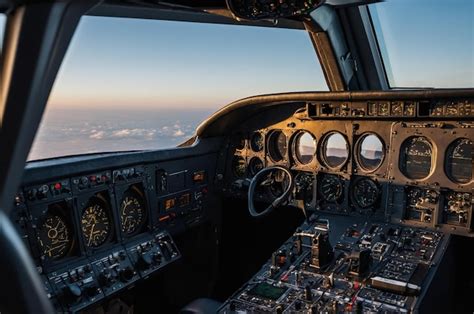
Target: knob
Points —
{"points": [[71, 293], [156, 258], [126, 274], [144, 261], [105, 278]]}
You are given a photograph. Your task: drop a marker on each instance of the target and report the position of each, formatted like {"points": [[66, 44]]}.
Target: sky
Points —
{"points": [[427, 43], [132, 63]]}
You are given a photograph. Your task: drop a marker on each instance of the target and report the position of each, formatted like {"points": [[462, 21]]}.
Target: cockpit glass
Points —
{"points": [[3, 19], [371, 152], [336, 150], [426, 43], [134, 84]]}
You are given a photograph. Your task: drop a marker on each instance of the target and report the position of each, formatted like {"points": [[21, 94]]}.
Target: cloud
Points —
{"points": [[178, 132], [97, 135]]}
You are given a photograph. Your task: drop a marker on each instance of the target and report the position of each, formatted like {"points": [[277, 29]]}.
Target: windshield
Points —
{"points": [[132, 84], [426, 43]]}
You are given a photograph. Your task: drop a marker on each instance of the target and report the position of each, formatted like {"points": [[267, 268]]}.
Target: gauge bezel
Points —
{"points": [[140, 196], [322, 151], [354, 197], [271, 149], [252, 160], [402, 158], [107, 207], [450, 148], [255, 149], [57, 210], [358, 152], [339, 181], [294, 144]]}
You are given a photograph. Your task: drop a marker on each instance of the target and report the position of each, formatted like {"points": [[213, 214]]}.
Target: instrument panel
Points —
{"points": [[389, 160], [96, 234]]}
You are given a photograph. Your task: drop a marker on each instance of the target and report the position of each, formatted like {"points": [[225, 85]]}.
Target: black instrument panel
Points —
{"points": [[367, 156], [95, 234]]}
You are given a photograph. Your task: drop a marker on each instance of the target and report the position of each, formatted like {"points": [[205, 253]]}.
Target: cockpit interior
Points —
{"points": [[354, 199]]}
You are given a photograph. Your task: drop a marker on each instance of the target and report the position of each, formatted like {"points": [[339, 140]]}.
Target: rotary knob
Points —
{"points": [[144, 261], [126, 274], [71, 293]]}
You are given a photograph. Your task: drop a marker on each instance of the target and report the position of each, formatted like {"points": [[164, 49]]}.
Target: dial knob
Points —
{"points": [[71, 293], [144, 261], [126, 274]]}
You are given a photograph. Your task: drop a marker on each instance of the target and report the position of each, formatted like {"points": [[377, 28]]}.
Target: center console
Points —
{"points": [[333, 265]]}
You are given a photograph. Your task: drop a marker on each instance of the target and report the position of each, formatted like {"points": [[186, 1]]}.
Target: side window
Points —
{"points": [[3, 20]]}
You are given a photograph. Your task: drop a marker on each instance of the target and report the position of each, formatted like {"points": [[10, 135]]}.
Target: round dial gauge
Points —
{"points": [[459, 161], [304, 147], [365, 192], [96, 224], [239, 166], [331, 188], [335, 150], [255, 165], [256, 142], [55, 237], [277, 145], [132, 212], [416, 157], [370, 152]]}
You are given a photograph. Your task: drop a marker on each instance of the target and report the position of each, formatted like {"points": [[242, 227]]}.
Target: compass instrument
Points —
{"points": [[132, 211], [96, 223]]}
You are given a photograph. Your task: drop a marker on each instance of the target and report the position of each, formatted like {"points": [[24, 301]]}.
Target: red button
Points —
{"points": [[57, 186]]}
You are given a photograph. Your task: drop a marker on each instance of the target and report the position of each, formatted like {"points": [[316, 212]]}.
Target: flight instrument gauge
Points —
{"points": [[96, 224], [331, 188], [256, 142], [277, 145], [55, 236], [255, 165], [132, 212], [365, 192]]}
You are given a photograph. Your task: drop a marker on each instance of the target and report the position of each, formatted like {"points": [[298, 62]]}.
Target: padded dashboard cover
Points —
{"points": [[225, 119], [21, 290]]}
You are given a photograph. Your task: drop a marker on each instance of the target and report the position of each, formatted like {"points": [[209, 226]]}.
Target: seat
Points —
{"points": [[201, 305]]}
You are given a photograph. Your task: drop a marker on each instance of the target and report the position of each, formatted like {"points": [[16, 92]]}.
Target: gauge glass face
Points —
{"points": [[371, 152], [96, 225], [416, 157], [305, 147], [239, 166], [55, 237], [255, 165], [365, 193], [132, 213], [459, 161], [331, 188], [335, 150], [256, 142], [277, 145]]}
